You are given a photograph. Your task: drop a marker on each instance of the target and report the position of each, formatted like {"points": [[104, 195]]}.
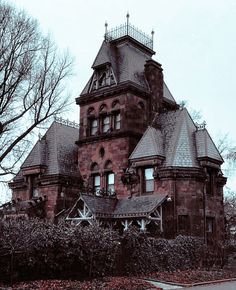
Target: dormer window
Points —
{"points": [[102, 77], [102, 80]]}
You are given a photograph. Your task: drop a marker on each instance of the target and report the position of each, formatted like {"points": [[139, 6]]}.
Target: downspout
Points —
{"points": [[175, 204], [204, 206]]}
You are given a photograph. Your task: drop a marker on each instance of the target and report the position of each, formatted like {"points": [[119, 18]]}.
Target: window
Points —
{"points": [[105, 124], [183, 224], [96, 183], [117, 122], [94, 127], [210, 230], [110, 183], [148, 180], [210, 186], [210, 225], [102, 80]]}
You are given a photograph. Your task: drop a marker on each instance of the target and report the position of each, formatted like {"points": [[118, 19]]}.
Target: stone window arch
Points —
{"points": [[115, 104], [90, 111], [94, 167], [103, 108], [108, 165]]}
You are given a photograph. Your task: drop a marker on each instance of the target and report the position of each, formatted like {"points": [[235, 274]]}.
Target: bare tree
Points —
{"points": [[32, 83], [230, 212]]}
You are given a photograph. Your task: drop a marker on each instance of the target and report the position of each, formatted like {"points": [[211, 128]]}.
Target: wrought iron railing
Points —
{"points": [[132, 31], [66, 122]]}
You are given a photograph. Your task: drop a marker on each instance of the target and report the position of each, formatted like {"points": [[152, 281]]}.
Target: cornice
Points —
{"points": [[108, 136], [108, 92]]}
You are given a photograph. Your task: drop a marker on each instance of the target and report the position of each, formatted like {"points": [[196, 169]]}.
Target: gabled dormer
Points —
{"points": [[103, 77]]}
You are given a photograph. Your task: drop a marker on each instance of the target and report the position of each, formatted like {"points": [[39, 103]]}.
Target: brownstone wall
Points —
{"points": [[116, 150], [133, 117]]}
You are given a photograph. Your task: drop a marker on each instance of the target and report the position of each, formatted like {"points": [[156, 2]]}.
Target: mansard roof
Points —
{"points": [[55, 151], [126, 61], [177, 139], [107, 207]]}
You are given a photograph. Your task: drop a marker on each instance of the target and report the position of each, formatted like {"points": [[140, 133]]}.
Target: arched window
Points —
{"points": [[110, 178], [93, 127], [105, 124], [96, 179], [116, 115]]}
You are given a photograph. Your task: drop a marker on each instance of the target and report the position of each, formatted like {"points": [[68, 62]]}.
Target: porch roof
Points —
{"points": [[138, 206]]}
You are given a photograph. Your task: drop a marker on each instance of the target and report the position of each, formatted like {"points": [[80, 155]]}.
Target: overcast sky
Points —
{"points": [[195, 41]]}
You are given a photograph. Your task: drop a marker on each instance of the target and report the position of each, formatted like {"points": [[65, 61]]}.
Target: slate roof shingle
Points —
{"points": [[56, 150], [206, 147], [124, 207], [177, 139]]}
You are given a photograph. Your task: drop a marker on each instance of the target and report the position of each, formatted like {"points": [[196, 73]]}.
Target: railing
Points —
{"points": [[132, 31], [66, 122]]}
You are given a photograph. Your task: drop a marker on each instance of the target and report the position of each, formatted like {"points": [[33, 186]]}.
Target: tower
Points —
{"points": [[121, 98]]}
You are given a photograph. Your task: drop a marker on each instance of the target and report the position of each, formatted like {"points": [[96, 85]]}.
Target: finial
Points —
{"points": [[127, 16], [152, 37], [127, 24], [105, 30]]}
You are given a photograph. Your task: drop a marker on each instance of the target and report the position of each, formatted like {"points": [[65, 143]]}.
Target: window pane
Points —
{"points": [[97, 180], [117, 121], [149, 180], [110, 182], [149, 185], [149, 173], [105, 124], [94, 126], [111, 178]]}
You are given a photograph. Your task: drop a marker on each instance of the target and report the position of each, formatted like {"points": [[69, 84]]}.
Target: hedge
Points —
{"points": [[36, 249]]}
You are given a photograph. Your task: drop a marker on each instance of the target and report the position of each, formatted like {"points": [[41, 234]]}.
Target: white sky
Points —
{"points": [[195, 41]]}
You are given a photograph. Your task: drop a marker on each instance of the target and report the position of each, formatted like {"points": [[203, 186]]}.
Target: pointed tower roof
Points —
{"points": [[56, 151], [151, 144], [206, 147], [184, 153]]}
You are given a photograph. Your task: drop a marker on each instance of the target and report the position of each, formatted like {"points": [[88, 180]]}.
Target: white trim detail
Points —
{"points": [[142, 223], [81, 215], [157, 216], [126, 224]]}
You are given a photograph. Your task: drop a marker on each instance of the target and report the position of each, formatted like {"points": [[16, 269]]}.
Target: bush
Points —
{"points": [[145, 254], [39, 249]]}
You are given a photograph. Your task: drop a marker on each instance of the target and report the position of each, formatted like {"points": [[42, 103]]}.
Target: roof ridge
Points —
{"points": [[176, 136]]}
